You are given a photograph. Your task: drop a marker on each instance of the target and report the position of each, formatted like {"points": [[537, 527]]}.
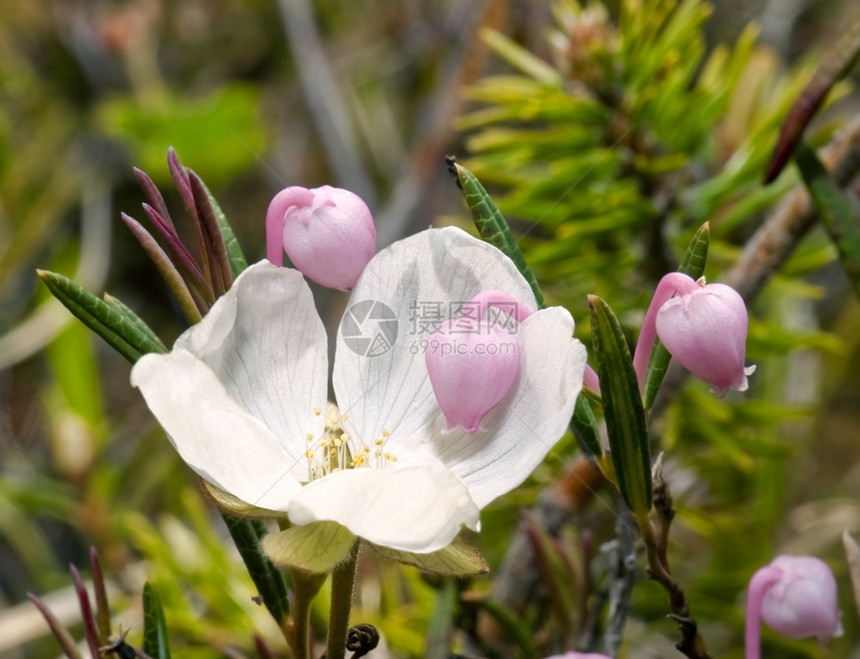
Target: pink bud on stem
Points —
{"points": [[327, 232], [702, 326], [795, 596], [473, 362]]}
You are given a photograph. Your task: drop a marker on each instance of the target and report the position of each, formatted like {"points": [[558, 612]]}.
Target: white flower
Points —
{"points": [[242, 396]]}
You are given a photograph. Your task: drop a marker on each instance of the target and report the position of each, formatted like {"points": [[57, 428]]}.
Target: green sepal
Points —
{"points": [[492, 226], [270, 582], [228, 503], [693, 265], [316, 547], [155, 639], [584, 425], [458, 559], [838, 217], [124, 331], [234, 250], [622, 408]]}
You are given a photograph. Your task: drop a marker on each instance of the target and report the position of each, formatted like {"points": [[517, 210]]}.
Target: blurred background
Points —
{"points": [[607, 135]]}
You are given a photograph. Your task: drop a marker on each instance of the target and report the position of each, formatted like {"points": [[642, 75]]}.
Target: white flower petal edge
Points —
{"points": [[418, 506], [392, 391], [217, 438], [516, 436], [237, 394]]}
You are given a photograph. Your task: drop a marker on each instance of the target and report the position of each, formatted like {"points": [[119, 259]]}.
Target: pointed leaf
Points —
{"points": [[86, 611], [836, 66], [154, 197], [155, 639], [441, 627], [458, 559], [126, 337], [222, 275], [316, 547], [266, 577], [227, 502], [102, 608], [622, 408], [840, 220], [491, 224], [64, 636], [234, 250], [133, 319], [584, 426], [693, 265]]}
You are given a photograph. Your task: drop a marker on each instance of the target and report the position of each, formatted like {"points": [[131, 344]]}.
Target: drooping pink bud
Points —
{"points": [[795, 596], [706, 330], [473, 360], [327, 232]]}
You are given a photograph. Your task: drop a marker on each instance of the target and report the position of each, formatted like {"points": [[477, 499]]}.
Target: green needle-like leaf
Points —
{"points": [[491, 224], [234, 250], [622, 408], [840, 220], [268, 579], [155, 640], [123, 333], [693, 265]]}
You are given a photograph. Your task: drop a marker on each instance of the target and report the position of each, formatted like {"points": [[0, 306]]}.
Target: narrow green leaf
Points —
{"points": [[155, 641], [622, 408], [222, 274], [441, 627], [458, 559], [584, 426], [838, 217], [516, 630], [234, 250], [126, 337], [693, 265], [492, 226], [316, 547], [133, 319], [246, 536]]}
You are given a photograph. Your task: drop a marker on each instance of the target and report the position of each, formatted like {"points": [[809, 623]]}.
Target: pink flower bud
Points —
{"points": [[706, 330], [327, 232], [795, 596], [473, 361]]}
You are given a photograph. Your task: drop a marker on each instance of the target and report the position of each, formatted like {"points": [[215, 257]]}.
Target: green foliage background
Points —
{"points": [[607, 135]]}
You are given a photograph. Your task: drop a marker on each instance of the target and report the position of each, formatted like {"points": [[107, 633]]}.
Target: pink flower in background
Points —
{"points": [[327, 232], [795, 596]]}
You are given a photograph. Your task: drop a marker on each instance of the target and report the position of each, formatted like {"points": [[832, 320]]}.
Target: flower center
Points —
{"points": [[337, 450]]}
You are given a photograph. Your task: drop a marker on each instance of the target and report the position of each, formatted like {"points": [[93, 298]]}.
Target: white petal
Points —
{"points": [[266, 344], [418, 507], [215, 436], [517, 434], [414, 279]]}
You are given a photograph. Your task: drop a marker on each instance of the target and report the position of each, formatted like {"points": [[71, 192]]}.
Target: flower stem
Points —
{"points": [[306, 586], [342, 585]]}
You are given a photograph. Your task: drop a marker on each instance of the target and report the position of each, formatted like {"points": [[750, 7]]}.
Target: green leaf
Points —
{"points": [[839, 218], [227, 502], [316, 547], [585, 426], [441, 627], [459, 559], [622, 408], [155, 640], [234, 250], [693, 265], [122, 332], [133, 319], [64, 636], [492, 225], [267, 578]]}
